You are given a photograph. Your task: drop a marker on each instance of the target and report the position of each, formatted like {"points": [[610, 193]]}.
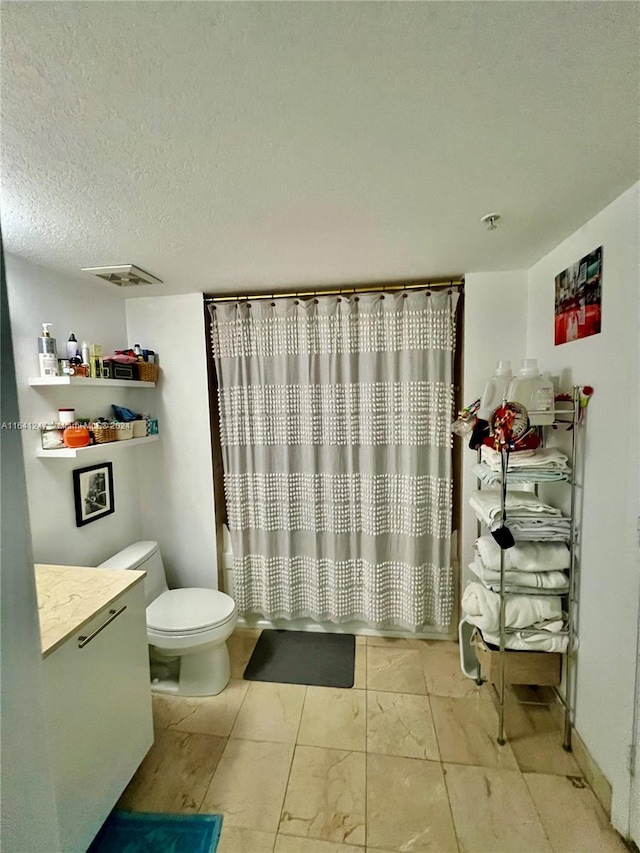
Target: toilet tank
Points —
{"points": [[146, 557]]}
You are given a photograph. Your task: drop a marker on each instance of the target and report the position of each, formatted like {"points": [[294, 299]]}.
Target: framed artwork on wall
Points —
{"points": [[93, 492], [578, 309]]}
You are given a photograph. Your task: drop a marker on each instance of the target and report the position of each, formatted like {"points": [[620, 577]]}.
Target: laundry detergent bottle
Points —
{"points": [[534, 392], [495, 391]]}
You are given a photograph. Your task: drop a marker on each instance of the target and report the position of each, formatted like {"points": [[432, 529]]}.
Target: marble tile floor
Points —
{"points": [[404, 762]]}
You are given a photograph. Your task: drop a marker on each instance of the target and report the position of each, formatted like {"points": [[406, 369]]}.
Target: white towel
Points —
{"points": [[520, 506], [482, 606], [542, 642], [548, 529], [544, 457], [519, 475], [524, 557], [535, 580]]}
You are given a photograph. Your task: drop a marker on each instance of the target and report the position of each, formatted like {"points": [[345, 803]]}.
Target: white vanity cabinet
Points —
{"points": [[96, 681]]}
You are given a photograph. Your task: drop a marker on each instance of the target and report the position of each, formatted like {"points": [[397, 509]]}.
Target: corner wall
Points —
{"points": [[28, 811], [609, 582], [495, 327], [176, 474], [94, 312]]}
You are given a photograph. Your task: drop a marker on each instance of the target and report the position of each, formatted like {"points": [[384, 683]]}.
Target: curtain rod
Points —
{"points": [[342, 291]]}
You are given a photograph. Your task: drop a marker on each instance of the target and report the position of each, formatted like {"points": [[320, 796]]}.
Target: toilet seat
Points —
{"points": [[189, 611]]}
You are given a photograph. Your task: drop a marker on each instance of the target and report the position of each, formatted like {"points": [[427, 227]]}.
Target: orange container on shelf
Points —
{"points": [[76, 436]]}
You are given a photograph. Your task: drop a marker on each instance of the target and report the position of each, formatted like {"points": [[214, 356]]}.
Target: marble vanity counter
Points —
{"points": [[70, 596]]}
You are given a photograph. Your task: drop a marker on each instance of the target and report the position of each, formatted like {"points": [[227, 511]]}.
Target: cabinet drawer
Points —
{"points": [[100, 715]]}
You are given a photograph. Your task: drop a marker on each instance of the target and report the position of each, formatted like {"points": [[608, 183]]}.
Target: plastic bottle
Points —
{"points": [[86, 354], [72, 346], [47, 353], [495, 391], [534, 392]]}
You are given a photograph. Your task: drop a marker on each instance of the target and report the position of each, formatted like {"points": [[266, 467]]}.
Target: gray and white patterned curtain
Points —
{"points": [[335, 420]]}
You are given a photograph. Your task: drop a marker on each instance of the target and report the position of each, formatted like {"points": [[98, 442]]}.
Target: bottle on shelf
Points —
{"points": [[495, 391], [47, 353], [534, 392], [86, 354], [72, 346]]}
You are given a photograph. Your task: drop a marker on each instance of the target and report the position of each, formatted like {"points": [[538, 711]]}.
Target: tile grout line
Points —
{"points": [[532, 798], [293, 755], [442, 770], [227, 739]]}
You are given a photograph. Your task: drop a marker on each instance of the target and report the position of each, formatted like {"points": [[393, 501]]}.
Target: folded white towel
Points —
{"points": [[535, 580], [519, 475], [542, 642], [546, 529], [521, 611], [520, 506], [524, 556], [544, 457]]}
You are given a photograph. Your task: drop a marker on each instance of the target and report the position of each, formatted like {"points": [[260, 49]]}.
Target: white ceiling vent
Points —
{"points": [[124, 275]]}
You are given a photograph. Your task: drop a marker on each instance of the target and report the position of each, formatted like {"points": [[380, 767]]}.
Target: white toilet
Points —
{"points": [[189, 625]]}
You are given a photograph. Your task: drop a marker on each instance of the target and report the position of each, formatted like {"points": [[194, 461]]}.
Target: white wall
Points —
{"points": [[94, 312], [495, 327], [28, 812], [609, 581], [176, 475]]}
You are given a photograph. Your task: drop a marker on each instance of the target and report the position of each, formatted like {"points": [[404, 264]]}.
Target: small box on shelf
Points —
{"points": [[542, 668]]}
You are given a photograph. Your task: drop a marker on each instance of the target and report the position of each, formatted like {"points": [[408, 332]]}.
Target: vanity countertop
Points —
{"points": [[70, 596]]}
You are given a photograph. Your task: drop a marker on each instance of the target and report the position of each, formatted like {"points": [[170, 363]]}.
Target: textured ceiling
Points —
{"points": [[241, 146]]}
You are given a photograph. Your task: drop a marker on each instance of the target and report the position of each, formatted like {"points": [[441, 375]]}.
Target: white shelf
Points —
{"points": [[95, 449], [78, 381]]}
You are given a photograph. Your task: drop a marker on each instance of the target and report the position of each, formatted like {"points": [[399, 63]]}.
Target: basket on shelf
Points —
{"points": [[103, 433], [147, 372]]}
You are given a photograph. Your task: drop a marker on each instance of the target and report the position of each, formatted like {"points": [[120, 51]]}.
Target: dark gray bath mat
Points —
{"points": [[303, 657]]}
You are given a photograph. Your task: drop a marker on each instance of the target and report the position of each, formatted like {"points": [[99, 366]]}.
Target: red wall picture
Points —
{"points": [[579, 299]]}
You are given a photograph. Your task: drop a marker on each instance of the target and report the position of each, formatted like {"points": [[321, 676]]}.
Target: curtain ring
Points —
{"points": [[405, 294], [382, 296]]}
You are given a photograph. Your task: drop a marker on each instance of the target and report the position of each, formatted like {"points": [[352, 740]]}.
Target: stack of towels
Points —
{"points": [[525, 466], [528, 566], [528, 518]]}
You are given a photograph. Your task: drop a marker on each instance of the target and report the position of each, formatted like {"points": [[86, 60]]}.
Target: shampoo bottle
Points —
{"points": [[495, 391], [47, 353]]}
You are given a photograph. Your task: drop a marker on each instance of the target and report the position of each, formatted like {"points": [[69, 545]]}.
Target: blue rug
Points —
{"points": [[138, 832]]}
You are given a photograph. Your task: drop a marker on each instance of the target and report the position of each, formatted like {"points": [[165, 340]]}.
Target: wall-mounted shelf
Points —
{"points": [[82, 381], [95, 449]]}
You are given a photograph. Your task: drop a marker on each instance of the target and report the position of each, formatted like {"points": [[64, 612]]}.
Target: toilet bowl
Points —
{"points": [[189, 626]]}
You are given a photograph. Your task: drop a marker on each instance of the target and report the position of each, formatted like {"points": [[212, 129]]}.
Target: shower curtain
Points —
{"points": [[335, 418]]}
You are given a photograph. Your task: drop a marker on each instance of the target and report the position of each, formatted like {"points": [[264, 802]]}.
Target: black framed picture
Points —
{"points": [[93, 492]]}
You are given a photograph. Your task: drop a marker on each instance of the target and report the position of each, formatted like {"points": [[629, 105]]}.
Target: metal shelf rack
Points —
{"points": [[570, 418]]}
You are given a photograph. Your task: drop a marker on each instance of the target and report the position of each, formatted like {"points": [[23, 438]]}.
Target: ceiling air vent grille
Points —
{"points": [[124, 275]]}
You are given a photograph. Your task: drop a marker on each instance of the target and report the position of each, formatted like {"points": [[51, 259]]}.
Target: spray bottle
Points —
{"points": [[47, 353]]}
